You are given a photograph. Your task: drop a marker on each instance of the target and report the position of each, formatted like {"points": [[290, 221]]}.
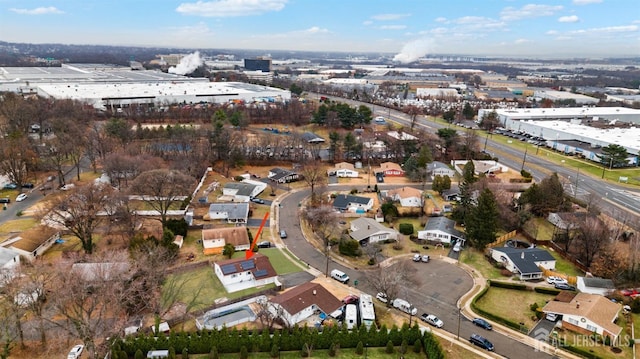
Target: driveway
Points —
{"points": [[542, 330]]}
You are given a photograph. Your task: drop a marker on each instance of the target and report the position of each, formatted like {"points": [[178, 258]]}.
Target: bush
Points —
{"points": [[353, 191], [360, 348], [332, 350], [389, 349], [544, 290], [635, 305], [139, 354], [185, 354], [405, 228], [244, 353], [516, 286], [534, 307], [525, 174], [172, 353], [417, 346], [404, 346], [177, 226], [349, 247], [213, 354]]}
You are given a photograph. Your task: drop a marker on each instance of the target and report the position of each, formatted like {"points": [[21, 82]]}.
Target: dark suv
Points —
{"points": [[481, 341]]}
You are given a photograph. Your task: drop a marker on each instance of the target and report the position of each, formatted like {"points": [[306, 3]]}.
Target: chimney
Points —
{"points": [[522, 255], [577, 305], [314, 292], [368, 227]]}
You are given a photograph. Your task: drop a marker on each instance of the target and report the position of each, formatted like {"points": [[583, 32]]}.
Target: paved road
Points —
{"points": [[441, 284]]}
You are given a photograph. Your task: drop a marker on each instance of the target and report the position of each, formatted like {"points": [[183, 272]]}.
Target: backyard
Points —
{"points": [[513, 304]]}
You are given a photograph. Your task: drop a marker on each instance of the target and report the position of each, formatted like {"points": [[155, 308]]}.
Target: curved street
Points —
{"points": [[440, 286]]}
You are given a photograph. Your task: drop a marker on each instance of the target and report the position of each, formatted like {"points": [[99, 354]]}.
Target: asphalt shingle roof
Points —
{"points": [[527, 264]]}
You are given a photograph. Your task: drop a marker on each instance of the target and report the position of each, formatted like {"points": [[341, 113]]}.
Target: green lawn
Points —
{"points": [[18, 225], [476, 260], [279, 260], [563, 265], [512, 304]]}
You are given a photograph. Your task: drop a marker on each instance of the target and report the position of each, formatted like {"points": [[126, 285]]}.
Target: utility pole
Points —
{"points": [[524, 158], [459, 309], [577, 175], [485, 142]]}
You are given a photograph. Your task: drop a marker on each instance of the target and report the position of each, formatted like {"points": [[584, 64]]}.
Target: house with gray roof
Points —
{"points": [[441, 230], [229, 212], [368, 230], [283, 176], [436, 168], [349, 203], [594, 285], [311, 137], [240, 191], [527, 263]]}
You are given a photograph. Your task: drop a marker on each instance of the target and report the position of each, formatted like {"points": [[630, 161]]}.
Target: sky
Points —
{"points": [[407, 28]]}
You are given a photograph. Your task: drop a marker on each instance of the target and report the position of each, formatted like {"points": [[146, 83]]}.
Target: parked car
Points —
{"points": [[28, 185], [351, 299], [457, 247], [264, 244], [629, 292], [10, 186], [340, 276], [382, 297], [564, 286], [482, 323], [424, 258], [481, 341], [432, 319], [67, 186], [75, 352], [5, 200], [416, 258], [21, 197], [553, 280], [257, 200], [551, 317]]}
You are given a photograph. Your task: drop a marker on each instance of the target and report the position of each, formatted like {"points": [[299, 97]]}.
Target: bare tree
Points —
{"points": [[33, 283], [323, 221], [82, 211], [592, 236], [161, 188], [17, 158], [314, 176], [8, 332], [391, 279], [268, 313]]}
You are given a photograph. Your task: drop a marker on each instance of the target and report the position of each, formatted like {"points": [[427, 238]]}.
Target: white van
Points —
{"points": [[351, 316], [340, 276], [404, 306]]}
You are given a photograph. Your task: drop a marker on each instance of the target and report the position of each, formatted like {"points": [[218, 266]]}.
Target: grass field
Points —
{"points": [[513, 304], [476, 260], [17, 225]]}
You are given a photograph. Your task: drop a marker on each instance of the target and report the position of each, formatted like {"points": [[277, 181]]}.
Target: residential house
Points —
{"points": [[350, 203], [343, 169], [390, 169], [407, 196], [229, 212], [241, 273], [593, 285], [401, 136], [587, 314], [566, 220], [100, 271], [527, 263], [368, 230], [214, 240], [451, 194], [239, 191], [440, 169], [301, 302], [9, 263], [280, 175], [441, 230], [481, 167], [311, 137]]}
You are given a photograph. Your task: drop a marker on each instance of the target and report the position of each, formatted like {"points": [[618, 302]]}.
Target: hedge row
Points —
{"points": [[582, 352], [544, 290], [516, 286], [233, 340]]}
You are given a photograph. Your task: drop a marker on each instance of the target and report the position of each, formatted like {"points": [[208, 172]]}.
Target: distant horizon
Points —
{"points": [[187, 50], [409, 29]]}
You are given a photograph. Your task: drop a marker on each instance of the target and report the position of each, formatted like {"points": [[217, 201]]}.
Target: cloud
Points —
{"points": [[572, 18], [367, 22], [230, 8], [388, 17], [38, 11], [314, 30], [441, 19], [607, 30], [393, 27], [528, 11], [522, 41], [586, 2], [551, 32]]}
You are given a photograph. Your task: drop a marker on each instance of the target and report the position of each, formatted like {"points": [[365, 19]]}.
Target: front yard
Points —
{"points": [[513, 304]]}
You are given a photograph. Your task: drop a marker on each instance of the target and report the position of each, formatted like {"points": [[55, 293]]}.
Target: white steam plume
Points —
{"points": [[412, 51], [188, 64]]}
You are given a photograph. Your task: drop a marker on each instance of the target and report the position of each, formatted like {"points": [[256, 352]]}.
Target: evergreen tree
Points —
{"points": [[482, 220], [389, 348], [468, 112]]}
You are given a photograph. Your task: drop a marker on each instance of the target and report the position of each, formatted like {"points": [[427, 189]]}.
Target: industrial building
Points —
{"points": [[108, 86], [258, 64]]}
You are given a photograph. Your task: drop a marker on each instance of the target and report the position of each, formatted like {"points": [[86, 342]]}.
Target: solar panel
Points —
{"points": [[260, 273], [228, 269], [246, 265]]}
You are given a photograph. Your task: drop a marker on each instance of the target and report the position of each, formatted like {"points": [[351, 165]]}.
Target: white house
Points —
{"points": [[587, 314], [214, 239], [592, 285], [368, 230], [229, 212], [9, 263], [301, 302], [240, 273], [240, 191], [436, 168], [441, 230], [527, 262], [407, 196], [349, 203], [343, 169]]}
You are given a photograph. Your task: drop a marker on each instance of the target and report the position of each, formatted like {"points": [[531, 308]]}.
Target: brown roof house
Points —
{"points": [[390, 169], [588, 314], [241, 273], [214, 240], [301, 302], [343, 169], [407, 196]]}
